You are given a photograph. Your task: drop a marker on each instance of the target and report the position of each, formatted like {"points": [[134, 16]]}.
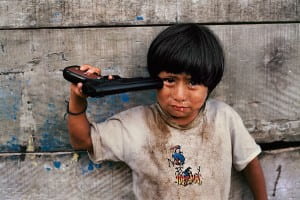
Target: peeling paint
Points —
{"points": [[49, 142], [57, 17], [12, 145], [89, 167], [139, 18], [30, 144], [57, 164], [110, 164], [75, 157], [47, 167], [53, 133], [10, 102], [98, 166], [124, 97]]}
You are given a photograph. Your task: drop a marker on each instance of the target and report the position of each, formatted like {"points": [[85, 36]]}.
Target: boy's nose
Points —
{"points": [[180, 93]]}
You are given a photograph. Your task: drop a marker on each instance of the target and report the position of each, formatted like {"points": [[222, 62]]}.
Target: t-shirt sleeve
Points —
{"points": [[107, 140], [244, 147]]}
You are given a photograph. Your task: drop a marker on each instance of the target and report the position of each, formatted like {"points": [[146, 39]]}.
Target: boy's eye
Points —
{"points": [[193, 83], [169, 80]]}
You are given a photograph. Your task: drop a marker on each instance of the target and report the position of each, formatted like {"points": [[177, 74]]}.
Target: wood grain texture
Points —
{"points": [[62, 176], [34, 90], [74, 13], [281, 169], [72, 176], [261, 80]]}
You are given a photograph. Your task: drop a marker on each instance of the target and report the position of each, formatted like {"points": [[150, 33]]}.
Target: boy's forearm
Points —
{"points": [[255, 178], [78, 125]]}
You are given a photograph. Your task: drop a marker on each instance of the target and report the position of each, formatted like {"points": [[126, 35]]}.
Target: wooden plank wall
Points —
{"points": [[38, 38]]}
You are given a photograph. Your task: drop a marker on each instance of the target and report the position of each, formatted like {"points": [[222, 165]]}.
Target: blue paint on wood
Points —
{"points": [[102, 108], [52, 142], [91, 166], [11, 99], [51, 107], [125, 97], [48, 169], [110, 164], [57, 164], [11, 145], [87, 166], [10, 104], [98, 166], [139, 18], [53, 134]]}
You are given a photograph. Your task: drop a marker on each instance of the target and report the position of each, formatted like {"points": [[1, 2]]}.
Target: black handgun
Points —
{"points": [[99, 86]]}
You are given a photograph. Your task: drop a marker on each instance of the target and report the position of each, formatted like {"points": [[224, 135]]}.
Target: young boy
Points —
{"points": [[184, 146]]}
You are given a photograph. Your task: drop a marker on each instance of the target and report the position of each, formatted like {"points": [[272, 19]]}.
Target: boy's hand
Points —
{"points": [[90, 69], [76, 89]]}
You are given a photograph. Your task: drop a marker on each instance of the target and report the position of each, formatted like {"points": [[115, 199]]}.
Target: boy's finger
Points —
{"points": [[85, 67], [90, 69], [79, 89], [93, 71], [79, 85]]}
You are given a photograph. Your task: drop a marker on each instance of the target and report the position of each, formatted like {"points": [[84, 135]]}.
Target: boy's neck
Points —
{"points": [[179, 123]]}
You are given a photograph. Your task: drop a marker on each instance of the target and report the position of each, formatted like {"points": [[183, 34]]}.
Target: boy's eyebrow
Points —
{"points": [[172, 75], [188, 77], [169, 74]]}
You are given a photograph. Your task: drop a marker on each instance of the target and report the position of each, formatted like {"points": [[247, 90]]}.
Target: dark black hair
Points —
{"points": [[190, 49]]}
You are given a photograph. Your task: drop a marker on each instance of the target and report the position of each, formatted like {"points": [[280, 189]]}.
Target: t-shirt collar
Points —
{"points": [[167, 118]]}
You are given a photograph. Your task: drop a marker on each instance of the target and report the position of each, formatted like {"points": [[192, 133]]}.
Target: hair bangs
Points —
{"points": [[189, 49]]}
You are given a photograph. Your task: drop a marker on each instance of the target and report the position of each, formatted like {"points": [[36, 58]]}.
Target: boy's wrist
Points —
{"points": [[71, 112], [76, 104]]}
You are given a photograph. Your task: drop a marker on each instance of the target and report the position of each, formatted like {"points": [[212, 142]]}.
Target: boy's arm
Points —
{"points": [[255, 178], [78, 125]]}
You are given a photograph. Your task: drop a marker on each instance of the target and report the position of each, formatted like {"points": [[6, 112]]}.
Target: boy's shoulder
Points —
{"points": [[214, 106], [132, 113], [217, 104]]}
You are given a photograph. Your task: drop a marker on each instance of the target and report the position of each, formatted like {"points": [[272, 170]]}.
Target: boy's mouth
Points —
{"points": [[179, 108]]}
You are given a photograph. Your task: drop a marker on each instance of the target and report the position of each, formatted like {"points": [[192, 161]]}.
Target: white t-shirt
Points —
{"points": [[174, 162]]}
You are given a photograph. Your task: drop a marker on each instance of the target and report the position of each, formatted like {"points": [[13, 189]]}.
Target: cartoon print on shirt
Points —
{"points": [[183, 176], [177, 157]]}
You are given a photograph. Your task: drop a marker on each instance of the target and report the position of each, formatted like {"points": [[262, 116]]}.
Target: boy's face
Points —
{"points": [[180, 97]]}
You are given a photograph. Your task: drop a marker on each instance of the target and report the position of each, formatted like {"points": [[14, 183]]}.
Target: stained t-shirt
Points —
{"points": [[176, 162]]}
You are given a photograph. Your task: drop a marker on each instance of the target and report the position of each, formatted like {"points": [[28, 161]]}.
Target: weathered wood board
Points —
{"points": [[62, 176], [281, 168], [72, 176], [261, 80], [38, 38], [74, 13]]}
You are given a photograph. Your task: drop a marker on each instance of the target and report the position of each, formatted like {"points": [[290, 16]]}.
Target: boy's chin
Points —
{"points": [[178, 115]]}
